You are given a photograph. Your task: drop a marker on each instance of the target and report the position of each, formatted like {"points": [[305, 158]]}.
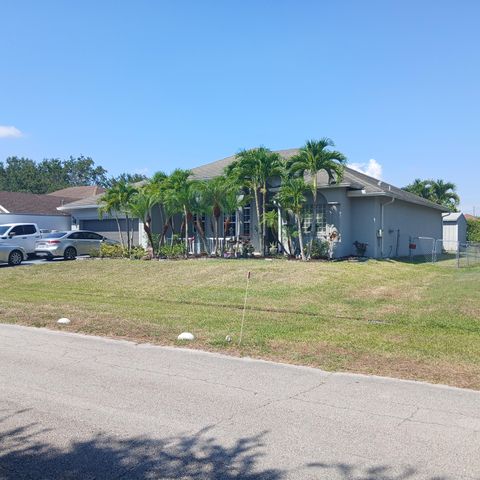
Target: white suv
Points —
{"points": [[21, 234]]}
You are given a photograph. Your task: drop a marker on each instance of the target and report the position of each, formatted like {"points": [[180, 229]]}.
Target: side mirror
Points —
{"points": [[11, 234]]}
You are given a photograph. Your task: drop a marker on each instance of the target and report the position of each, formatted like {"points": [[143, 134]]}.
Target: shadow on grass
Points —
{"points": [[196, 456]]}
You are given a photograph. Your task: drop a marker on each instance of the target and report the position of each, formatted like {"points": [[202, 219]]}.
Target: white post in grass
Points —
{"points": [[244, 308]]}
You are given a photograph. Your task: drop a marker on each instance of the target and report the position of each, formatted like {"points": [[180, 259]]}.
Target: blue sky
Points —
{"points": [[153, 85]]}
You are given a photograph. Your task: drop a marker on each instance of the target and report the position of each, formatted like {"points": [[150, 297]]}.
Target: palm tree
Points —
{"points": [[141, 205], [117, 200], [422, 188], [292, 197], [177, 197], [214, 192], [314, 157], [437, 191], [231, 203], [444, 193], [253, 168]]}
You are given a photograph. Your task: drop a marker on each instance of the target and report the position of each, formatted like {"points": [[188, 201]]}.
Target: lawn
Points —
{"points": [[387, 318]]}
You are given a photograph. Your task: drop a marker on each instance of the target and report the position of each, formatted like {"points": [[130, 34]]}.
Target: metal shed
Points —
{"points": [[454, 230]]}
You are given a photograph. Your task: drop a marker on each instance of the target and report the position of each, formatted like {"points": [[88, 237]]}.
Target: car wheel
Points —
{"points": [[70, 253], [15, 258]]}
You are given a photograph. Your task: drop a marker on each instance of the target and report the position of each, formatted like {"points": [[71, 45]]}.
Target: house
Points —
{"points": [[454, 230], [42, 209], [360, 209], [86, 216]]}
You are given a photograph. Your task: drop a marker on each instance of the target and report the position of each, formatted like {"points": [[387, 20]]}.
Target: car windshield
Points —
{"points": [[3, 229], [54, 235]]}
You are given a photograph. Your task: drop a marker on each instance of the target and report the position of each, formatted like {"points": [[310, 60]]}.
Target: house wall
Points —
{"points": [[404, 221], [364, 223], [44, 222]]}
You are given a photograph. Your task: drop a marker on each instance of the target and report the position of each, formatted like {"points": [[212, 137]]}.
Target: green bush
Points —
{"points": [[177, 250], [473, 230], [319, 249], [116, 251]]}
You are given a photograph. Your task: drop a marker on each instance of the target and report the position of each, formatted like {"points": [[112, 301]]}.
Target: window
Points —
{"points": [[29, 230], [93, 236], [76, 236], [246, 220], [230, 224], [18, 230], [321, 219]]}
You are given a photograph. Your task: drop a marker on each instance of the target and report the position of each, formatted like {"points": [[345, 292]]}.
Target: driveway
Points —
{"points": [[73, 406]]}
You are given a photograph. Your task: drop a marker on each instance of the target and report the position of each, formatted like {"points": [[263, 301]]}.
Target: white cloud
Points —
{"points": [[372, 168], [8, 131]]}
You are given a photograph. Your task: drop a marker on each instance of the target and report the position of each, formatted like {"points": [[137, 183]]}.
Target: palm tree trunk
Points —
{"points": [[201, 233], [260, 233], [122, 241], [313, 232], [185, 214], [264, 203], [172, 224], [216, 234], [300, 236], [127, 221]]}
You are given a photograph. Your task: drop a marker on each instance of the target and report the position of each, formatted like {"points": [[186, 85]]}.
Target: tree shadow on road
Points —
{"points": [[24, 454], [193, 456]]}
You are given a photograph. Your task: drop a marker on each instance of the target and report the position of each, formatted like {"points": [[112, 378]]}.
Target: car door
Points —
{"points": [[15, 237], [30, 235], [78, 240], [93, 241]]}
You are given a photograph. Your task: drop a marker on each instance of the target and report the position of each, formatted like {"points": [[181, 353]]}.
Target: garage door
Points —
{"points": [[109, 228]]}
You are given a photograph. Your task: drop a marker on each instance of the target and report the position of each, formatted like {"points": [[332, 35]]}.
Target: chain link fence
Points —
{"points": [[447, 253]]}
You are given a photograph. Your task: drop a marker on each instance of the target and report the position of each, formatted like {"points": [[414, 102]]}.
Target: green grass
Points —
{"points": [[388, 318]]}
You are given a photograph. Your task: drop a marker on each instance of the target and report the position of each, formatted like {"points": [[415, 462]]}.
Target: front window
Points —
{"points": [[321, 219], [230, 224], [3, 230], [246, 220]]}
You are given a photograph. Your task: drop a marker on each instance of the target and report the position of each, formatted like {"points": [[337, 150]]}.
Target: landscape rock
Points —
{"points": [[186, 336], [63, 321]]}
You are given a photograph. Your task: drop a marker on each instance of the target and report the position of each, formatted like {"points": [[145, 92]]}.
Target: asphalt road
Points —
{"points": [[73, 406]]}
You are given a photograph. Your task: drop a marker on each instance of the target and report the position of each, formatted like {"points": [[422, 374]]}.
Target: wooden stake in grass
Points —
{"points": [[244, 308]]}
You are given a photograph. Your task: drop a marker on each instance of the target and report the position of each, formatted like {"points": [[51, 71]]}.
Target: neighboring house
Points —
{"points": [[359, 208], [42, 209], [454, 230], [85, 216]]}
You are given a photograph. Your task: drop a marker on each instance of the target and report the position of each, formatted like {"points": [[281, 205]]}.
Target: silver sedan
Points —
{"points": [[70, 244], [12, 254]]}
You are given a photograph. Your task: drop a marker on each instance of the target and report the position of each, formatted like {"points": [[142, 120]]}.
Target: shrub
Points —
{"points": [[116, 251], [473, 230], [319, 249], [177, 250]]}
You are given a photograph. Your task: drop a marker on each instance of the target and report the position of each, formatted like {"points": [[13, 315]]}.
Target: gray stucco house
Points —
{"points": [[359, 209]]}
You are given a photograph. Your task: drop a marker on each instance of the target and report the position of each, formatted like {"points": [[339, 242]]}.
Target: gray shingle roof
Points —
{"points": [[352, 179], [33, 203]]}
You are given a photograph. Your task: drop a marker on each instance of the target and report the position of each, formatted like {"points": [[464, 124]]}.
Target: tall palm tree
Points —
{"points": [[292, 197], [419, 187], [314, 157], [117, 200], [214, 192], [231, 203], [177, 197], [141, 205], [253, 168]]}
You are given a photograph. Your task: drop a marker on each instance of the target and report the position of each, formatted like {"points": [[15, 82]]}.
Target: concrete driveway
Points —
{"points": [[73, 406]]}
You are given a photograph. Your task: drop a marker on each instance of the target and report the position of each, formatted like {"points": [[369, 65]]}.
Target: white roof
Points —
{"points": [[452, 216]]}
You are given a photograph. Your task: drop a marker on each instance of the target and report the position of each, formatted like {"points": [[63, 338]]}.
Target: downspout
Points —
{"points": [[382, 207]]}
